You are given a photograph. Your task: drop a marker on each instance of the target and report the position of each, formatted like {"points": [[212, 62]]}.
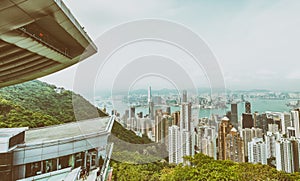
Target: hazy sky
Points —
{"points": [[256, 42]]}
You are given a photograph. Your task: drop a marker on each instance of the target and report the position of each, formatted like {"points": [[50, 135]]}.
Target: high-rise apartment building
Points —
{"points": [[247, 120], [176, 118], [295, 122], [248, 134], [234, 115], [284, 156], [287, 155], [257, 151], [206, 141], [175, 152], [224, 129], [161, 127], [185, 117], [234, 147]]}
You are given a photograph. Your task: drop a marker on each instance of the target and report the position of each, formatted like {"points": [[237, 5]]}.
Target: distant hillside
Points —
{"points": [[39, 99]]}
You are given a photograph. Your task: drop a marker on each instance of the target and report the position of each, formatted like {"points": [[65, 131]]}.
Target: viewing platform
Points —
{"points": [[38, 38]]}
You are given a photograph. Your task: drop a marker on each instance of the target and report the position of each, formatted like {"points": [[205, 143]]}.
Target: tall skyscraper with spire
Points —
{"points": [[150, 104], [149, 94], [184, 96]]}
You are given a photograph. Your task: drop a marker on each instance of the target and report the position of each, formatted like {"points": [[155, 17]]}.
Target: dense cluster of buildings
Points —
{"points": [[267, 138]]}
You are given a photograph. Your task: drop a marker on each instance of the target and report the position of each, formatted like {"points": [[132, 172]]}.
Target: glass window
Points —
{"points": [[33, 169], [64, 162]]}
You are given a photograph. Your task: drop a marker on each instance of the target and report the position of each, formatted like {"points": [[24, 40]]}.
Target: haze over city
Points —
{"points": [[255, 42]]}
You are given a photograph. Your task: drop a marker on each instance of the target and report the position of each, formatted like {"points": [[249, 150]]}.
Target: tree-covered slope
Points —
{"points": [[50, 104], [202, 168]]}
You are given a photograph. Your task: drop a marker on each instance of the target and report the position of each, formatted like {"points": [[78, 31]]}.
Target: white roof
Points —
{"points": [[233, 130], [7, 133], [225, 118]]}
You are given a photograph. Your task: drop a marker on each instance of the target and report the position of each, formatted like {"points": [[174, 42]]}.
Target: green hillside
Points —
{"points": [[47, 100], [202, 168]]}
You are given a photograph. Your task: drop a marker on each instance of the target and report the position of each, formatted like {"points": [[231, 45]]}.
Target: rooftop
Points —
{"points": [[68, 130], [7, 133]]}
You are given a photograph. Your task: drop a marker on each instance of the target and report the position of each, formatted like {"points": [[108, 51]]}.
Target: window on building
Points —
{"points": [[33, 169]]}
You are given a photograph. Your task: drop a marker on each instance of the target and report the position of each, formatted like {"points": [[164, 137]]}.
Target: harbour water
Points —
{"points": [[257, 105]]}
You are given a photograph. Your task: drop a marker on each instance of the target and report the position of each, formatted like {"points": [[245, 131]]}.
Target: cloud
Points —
{"points": [[256, 42], [293, 75]]}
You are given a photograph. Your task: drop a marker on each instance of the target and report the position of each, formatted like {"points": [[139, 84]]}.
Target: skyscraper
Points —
{"points": [[284, 156], [149, 94], [176, 118], [150, 104], [158, 125], [184, 96], [161, 127], [257, 151], [247, 120], [295, 122], [174, 147], [224, 128], [234, 115], [270, 141], [185, 116], [168, 110], [247, 107], [248, 134], [234, 146], [206, 141]]}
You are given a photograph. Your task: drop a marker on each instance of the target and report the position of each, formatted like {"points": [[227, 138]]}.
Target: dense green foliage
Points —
{"points": [[142, 172], [128, 136], [130, 148], [201, 168], [37, 104]]}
